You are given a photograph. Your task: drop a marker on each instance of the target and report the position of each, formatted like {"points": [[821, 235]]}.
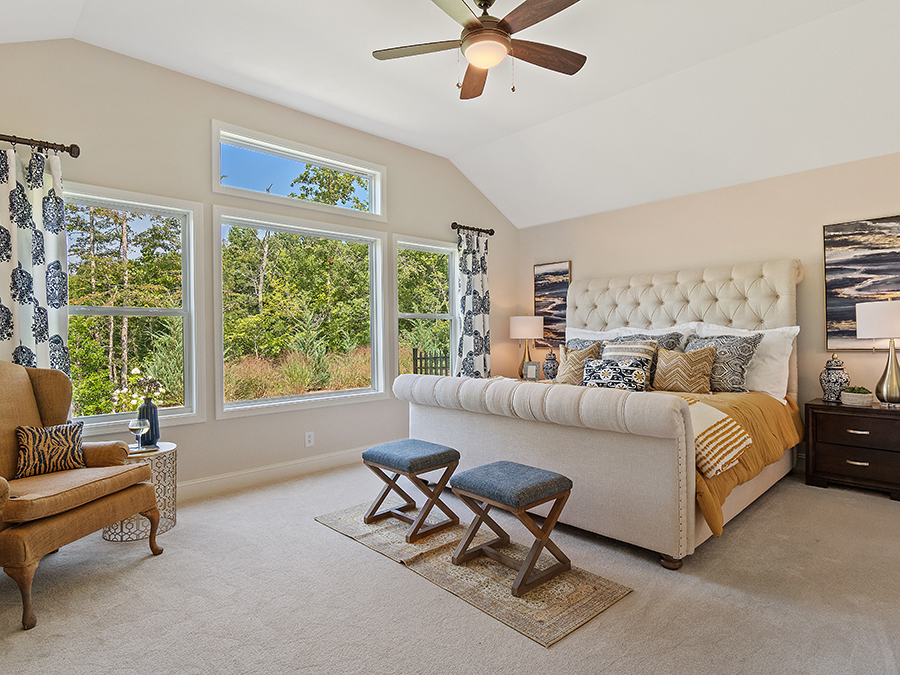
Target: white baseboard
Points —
{"points": [[212, 486]]}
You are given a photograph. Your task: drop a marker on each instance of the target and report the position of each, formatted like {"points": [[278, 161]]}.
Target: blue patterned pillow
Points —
{"points": [[581, 343], [672, 341], [733, 353], [630, 374], [48, 449]]}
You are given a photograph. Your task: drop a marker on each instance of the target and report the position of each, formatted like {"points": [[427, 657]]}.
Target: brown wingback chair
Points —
{"points": [[39, 514]]}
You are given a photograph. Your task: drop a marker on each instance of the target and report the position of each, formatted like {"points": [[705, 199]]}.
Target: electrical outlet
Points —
{"points": [[310, 439]]}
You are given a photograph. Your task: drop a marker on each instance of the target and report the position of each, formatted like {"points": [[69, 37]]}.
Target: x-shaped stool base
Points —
{"points": [[417, 529], [526, 579]]}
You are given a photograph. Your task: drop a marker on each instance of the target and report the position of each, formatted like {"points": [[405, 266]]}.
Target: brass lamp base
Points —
{"points": [[526, 356], [888, 388]]}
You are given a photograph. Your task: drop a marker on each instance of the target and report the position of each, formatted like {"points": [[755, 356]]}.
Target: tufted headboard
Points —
{"points": [[751, 296]]}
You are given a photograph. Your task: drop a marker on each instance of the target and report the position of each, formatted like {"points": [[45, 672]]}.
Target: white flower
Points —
{"points": [[135, 371]]}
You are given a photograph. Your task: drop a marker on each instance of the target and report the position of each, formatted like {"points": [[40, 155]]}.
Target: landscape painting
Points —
{"points": [[551, 284], [862, 264]]}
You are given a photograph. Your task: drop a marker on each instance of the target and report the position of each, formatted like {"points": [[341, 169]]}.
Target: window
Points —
{"points": [[251, 164], [131, 323], [426, 292], [301, 318]]}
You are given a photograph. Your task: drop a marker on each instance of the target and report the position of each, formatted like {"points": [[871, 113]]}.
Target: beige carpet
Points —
{"points": [[546, 614], [805, 581]]}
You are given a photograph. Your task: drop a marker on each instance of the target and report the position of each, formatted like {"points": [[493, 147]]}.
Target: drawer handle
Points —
{"points": [[850, 461], [857, 432]]}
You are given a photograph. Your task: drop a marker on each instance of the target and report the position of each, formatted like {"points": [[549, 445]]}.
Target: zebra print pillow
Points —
{"points": [[48, 449]]}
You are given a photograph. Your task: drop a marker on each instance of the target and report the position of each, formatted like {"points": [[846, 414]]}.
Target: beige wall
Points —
{"points": [[147, 129], [766, 220]]}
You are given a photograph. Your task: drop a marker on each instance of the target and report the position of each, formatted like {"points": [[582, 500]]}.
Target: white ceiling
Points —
{"points": [[677, 97]]}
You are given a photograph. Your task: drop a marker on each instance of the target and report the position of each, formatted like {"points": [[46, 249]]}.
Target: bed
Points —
{"points": [[631, 455]]}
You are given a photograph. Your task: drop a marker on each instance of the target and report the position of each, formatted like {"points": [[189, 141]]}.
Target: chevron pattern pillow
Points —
{"points": [[571, 367], [677, 371], [49, 449]]}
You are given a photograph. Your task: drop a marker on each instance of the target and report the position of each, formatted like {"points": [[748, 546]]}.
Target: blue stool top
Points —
{"points": [[509, 483], [410, 455]]}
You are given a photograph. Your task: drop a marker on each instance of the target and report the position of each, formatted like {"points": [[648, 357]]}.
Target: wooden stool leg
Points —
{"points": [[372, 515], [418, 528], [525, 580], [23, 576], [462, 554]]}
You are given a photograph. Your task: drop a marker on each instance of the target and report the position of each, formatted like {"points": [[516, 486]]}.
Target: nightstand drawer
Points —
{"points": [[863, 432], [877, 465]]}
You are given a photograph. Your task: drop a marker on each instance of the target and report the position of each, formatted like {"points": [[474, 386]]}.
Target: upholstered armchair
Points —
{"points": [[40, 513]]}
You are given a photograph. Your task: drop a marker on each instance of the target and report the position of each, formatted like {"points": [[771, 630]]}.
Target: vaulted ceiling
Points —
{"points": [[677, 96]]}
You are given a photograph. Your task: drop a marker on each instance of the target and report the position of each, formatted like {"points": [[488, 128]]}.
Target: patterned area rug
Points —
{"points": [[546, 614]]}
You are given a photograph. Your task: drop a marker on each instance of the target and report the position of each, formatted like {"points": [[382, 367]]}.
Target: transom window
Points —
{"points": [[251, 164]]}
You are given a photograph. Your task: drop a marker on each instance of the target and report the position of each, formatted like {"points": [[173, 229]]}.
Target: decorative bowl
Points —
{"points": [[854, 399]]}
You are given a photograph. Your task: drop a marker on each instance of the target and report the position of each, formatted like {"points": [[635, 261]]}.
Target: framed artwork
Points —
{"points": [[862, 264], [551, 284]]}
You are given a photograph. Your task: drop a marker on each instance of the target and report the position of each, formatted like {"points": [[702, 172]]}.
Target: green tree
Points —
{"points": [[328, 186]]}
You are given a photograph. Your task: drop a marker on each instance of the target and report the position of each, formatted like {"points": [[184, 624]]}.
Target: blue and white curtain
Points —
{"points": [[34, 294], [475, 307]]}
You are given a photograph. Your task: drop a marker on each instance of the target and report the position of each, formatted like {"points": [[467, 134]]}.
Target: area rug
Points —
{"points": [[546, 614]]}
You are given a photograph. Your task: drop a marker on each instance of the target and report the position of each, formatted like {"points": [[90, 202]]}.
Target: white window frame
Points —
{"points": [[432, 246], [376, 174], [377, 240], [191, 312]]}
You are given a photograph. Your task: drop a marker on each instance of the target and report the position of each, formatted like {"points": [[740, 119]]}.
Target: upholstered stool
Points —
{"points": [[410, 458], [515, 488]]}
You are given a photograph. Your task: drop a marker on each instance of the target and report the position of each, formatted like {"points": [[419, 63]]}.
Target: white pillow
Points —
{"points": [[768, 369], [584, 334]]}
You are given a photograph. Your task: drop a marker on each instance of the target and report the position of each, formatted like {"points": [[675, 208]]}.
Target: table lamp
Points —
{"points": [[527, 328], [881, 319]]}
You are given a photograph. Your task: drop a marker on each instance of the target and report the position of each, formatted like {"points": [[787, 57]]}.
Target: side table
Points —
{"points": [[853, 446], [163, 467]]}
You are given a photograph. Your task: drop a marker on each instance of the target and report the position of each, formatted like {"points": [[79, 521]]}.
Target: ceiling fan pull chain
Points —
{"points": [[513, 64], [458, 78]]}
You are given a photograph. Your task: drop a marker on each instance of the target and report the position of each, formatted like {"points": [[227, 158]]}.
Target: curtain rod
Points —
{"points": [[73, 149], [457, 226]]}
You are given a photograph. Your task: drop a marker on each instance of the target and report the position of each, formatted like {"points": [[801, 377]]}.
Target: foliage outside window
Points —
{"points": [[129, 308], [298, 311], [424, 275], [253, 164]]}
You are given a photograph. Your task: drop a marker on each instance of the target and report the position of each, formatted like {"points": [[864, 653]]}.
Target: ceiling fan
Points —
{"points": [[485, 41]]}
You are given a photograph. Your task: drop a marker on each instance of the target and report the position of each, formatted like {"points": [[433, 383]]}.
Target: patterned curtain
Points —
{"points": [[34, 294], [474, 305]]}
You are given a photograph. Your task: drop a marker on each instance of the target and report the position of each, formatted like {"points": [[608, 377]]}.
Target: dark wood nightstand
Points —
{"points": [[853, 446]]}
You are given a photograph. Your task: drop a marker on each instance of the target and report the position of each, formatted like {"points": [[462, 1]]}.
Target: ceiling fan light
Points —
{"points": [[486, 53]]}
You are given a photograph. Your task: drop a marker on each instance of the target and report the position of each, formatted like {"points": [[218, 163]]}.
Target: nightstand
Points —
{"points": [[853, 446]]}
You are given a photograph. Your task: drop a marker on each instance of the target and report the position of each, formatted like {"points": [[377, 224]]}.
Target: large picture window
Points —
{"points": [[426, 292], [131, 313], [300, 312]]}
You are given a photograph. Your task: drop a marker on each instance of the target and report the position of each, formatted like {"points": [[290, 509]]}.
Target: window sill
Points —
{"points": [[326, 399]]}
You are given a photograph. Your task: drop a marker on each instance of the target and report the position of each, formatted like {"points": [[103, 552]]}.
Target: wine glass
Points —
{"points": [[138, 427]]}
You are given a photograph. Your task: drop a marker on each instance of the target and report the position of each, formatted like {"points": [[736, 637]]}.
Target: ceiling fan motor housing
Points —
{"points": [[488, 32]]}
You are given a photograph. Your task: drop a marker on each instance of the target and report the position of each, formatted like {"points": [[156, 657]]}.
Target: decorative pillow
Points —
{"points": [[571, 367], [48, 449], [637, 349], [769, 368], [672, 340], [677, 371], [626, 373], [733, 353], [581, 343]]}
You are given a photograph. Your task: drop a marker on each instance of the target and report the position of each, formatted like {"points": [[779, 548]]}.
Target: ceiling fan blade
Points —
{"points": [[413, 50], [460, 12], [473, 82], [546, 56], [531, 12]]}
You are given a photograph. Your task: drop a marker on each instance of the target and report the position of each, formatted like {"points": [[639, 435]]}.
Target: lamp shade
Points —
{"points": [[878, 319], [486, 53], [528, 327]]}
